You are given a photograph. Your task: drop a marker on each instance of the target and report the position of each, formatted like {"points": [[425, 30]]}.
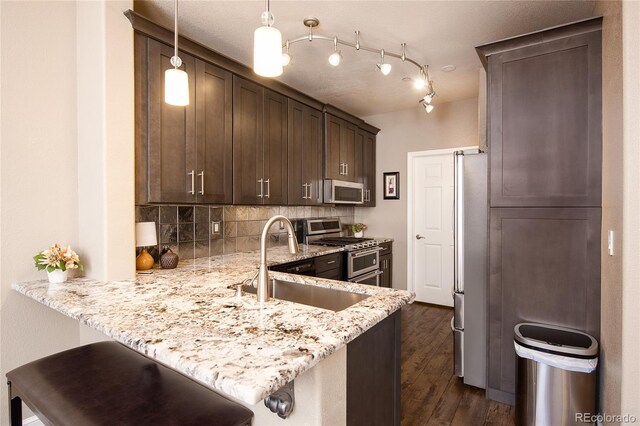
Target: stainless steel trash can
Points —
{"points": [[556, 378]]}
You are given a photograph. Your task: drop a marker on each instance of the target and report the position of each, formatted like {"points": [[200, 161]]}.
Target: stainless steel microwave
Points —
{"points": [[341, 192]]}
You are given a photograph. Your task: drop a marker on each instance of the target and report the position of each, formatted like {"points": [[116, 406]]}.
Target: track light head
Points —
{"points": [[335, 57], [428, 108], [286, 59], [385, 69]]}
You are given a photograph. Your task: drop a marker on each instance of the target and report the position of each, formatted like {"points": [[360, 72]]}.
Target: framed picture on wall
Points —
{"points": [[391, 185]]}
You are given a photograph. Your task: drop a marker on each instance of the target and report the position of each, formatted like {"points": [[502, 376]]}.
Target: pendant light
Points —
{"points": [[267, 47], [176, 81]]}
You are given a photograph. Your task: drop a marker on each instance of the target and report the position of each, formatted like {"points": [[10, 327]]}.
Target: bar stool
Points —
{"points": [[107, 383]]}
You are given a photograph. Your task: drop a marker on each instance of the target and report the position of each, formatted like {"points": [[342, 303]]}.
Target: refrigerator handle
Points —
{"points": [[458, 221]]}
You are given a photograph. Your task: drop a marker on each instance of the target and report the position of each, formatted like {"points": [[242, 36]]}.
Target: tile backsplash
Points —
{"points": [[189, 230]]}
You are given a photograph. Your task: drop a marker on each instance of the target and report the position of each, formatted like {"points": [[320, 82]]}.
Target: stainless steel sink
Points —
{"points": [[320, 297]]}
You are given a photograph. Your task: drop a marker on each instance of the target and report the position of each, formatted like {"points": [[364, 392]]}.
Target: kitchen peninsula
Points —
{"points": [[192, 320]]}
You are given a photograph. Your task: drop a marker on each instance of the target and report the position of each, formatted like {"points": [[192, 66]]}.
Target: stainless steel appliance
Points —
{"points": [[362, 255], [469, 322], [341, 192]]}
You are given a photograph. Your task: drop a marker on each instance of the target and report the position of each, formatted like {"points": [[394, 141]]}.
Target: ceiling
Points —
{"points": [[437, 33]]}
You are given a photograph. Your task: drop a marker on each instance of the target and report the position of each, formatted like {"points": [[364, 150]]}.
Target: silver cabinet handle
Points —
{"points": [[260, 181], [201, 174], [268, 188], [331, 262], [346, 167], [420, 237], [304, 185], [192, 173], [310, 191]]}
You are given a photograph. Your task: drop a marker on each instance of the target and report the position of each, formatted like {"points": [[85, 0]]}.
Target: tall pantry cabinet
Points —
{"points": [[544, 131]]}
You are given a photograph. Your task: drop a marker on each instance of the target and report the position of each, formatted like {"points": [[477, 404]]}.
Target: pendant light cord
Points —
{"points": [[175, 34]]}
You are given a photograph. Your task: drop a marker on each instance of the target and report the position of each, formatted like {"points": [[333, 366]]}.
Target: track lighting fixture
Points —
{"points": [[176, 81], [336, 56], [421, 83], [267, 47], [384, 68]]}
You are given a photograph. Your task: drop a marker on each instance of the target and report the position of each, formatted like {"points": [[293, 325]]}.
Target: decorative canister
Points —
{"points": [[169, 259]]}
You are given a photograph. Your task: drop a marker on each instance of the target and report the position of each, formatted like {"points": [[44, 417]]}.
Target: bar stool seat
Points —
{"points": [[107, 383]]}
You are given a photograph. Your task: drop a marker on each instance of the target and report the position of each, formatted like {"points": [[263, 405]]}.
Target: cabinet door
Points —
{"points": [[297, 191], [275, 148], [386, 268], [172, 132], [369, 165], [348, 151], [214, 134], [358, 161], [312, 152], [247, 142], [333, 163], [304, 155], [544, 267], [545, 124]]}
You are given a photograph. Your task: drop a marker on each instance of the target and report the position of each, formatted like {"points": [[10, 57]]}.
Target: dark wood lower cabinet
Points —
{"points": [[373, 375], [386, 266], [544, 267]]}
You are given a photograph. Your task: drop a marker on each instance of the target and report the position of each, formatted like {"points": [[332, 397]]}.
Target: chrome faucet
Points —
{"points": [[263, 273]]}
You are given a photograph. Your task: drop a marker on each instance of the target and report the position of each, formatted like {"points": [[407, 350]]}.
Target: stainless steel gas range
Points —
{"points": [[362, 255]]}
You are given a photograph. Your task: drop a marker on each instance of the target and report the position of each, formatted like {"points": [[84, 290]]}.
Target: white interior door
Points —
{"points": [[431, 227]]}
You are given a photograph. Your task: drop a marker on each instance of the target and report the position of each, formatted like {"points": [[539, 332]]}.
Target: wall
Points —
{"points": [[453, 124], [44, 104], [630, 401], [612, 146], [187, 230], [39, 170]]}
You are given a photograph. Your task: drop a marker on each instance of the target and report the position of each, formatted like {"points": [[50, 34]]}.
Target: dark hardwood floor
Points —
{"points": [[431, 394]]}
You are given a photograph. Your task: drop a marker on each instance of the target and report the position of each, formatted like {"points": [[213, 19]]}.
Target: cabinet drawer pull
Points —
{"points": [[261, 182], [305, 196], [331, 262], [201, 174], [346, 168], [192, 173], [310, 191], [268, 188]]}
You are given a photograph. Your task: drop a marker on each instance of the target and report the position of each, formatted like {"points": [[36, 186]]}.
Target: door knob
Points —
{"points": [[419, 237]]}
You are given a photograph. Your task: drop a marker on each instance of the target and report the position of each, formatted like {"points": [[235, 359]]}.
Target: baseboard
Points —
{"points": [[501, 396]]}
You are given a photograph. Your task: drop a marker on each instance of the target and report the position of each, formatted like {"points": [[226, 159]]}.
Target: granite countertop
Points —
{"points": [[188, 319]]}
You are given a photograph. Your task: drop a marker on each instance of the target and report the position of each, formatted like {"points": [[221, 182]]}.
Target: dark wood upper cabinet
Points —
{"points": [[171, 143], [188, 149], [214, 134], [545, 120], [305, 155], [369, 169], [340, 149], [275, 147], [334, 163], [259, 144], [248, 181]]}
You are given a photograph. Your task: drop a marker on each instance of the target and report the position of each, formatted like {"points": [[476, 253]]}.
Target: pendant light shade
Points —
{"points": [[267, 51], [176, 87], [176, 81]]}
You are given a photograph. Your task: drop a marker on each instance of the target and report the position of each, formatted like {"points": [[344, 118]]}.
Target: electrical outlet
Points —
{"points": [[215, 228]]}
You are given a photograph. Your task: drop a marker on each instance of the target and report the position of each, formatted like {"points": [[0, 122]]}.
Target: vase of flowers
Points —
{"points": [[358, 229], [57, 260]]}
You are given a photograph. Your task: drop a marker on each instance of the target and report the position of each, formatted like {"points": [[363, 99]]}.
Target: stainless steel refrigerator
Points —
{"points": [[469, 322]]}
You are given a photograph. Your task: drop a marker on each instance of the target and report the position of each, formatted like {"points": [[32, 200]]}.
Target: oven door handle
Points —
{"points": [[366, 276], [365, 252]]}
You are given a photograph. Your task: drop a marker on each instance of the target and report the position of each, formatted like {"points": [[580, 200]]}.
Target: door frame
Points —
{"points": [[411, 156]]}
